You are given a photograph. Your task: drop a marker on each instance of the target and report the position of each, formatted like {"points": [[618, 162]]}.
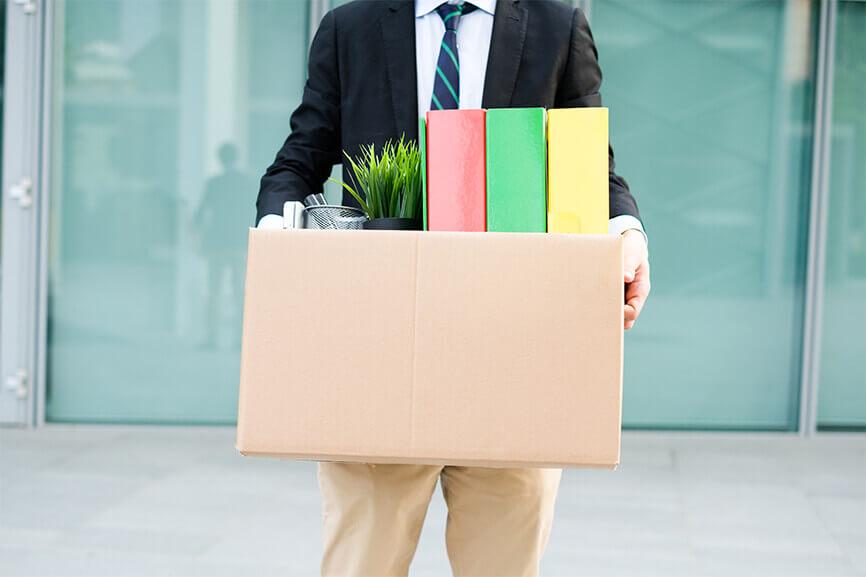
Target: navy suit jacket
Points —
{"points": [[362, 88]]}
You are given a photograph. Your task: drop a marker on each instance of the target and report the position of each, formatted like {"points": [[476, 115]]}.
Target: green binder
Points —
{"points": [[516, 170], [422, 146]]}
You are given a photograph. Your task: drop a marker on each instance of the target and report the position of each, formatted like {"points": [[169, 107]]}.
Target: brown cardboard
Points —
{"points": [[492, 349]]}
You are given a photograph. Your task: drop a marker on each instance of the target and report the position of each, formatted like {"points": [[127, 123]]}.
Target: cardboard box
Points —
{"points": [[578, 174], [493, 349], [456, 182], [516, 170]]}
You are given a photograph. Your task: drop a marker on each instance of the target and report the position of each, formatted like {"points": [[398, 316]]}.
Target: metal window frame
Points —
{"points": [[810, 375], [316, 10], [20, 388], [47, 158]]}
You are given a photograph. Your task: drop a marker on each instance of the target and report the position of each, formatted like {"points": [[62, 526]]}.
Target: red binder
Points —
{"points": [[456, 178]]}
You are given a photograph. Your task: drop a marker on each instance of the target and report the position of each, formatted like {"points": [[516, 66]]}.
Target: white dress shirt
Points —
{"points": [[473, 48]]}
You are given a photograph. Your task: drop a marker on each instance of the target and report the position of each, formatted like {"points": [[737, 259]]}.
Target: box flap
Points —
{"points": [[518, 348], [328, 341]]}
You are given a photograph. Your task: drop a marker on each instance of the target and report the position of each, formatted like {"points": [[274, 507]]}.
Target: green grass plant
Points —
{"points": [[388, 184]]}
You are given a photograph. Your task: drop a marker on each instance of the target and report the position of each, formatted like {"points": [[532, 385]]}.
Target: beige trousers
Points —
{"points": [[498, 519]]}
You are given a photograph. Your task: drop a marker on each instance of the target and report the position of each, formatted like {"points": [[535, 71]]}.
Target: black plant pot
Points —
{"points": [[393, 224]]}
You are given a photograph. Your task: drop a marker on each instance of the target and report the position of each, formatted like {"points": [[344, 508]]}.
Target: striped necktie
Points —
{"points": [[446, 86]]}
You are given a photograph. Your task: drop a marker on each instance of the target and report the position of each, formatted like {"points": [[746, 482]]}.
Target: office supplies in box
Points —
{"points": [[516, 170], [455, 170], [578, 177]]}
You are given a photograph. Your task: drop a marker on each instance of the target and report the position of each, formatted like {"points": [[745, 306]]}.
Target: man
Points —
{"points": [[374, 68]]}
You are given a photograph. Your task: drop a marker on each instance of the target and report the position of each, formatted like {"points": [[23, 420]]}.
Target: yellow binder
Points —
{"points": [[577, 170]]}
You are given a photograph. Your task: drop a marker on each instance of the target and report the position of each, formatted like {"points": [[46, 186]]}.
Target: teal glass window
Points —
{"points": [[711, 120], [165, 114], [842, 382]]}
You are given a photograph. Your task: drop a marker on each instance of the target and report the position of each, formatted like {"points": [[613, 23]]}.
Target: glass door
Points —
{"points": [[165, 113], [711, 120]]}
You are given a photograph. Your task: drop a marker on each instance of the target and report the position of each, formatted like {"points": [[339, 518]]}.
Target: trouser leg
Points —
{"points": [[373, 516], [498, 519]]}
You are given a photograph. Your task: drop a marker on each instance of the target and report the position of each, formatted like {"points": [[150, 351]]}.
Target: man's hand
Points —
{"points": [[635, 275]]}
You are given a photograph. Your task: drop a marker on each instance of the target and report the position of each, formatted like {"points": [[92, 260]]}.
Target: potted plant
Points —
{"points": [[387, 186]]}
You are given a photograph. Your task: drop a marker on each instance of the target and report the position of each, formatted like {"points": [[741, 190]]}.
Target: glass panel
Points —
{"points": [[711, 118], [166, 113], [842, 392]]}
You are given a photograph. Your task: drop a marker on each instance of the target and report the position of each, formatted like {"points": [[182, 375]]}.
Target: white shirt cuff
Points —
{"points": [[271, 221], [616, 225], [622, 223]]}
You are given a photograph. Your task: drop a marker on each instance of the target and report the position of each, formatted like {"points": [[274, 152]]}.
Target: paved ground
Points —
{"points": [[129, 501]]}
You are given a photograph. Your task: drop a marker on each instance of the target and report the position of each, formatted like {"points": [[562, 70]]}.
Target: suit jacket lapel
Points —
{"points": [[398, 36], [509, 33]]}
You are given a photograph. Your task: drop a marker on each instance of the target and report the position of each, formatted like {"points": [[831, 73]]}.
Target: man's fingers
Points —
{"points": [[629, 315], [636, 295], [637, 291], [633, 255], [630, 265], [635, 276]]}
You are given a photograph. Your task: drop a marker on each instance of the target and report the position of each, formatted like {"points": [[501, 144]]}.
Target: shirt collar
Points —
{"points": [[424, 7]]}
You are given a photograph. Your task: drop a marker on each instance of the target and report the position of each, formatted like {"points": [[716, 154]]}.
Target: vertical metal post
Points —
{"points": [[51, 10], [318, 9], [820, 189], [20, 194]]}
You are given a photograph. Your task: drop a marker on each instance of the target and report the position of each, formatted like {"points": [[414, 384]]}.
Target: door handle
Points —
{"points": [[17, 384], [27, 6], [20, 191]]}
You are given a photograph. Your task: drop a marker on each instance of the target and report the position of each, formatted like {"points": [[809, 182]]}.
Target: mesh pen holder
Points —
{"points": [[332, 217]]}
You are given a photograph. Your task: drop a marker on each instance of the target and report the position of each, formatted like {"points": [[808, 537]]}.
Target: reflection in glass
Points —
{"points": [[711, 119], [222, 220], [164, 113], [842, 385]]}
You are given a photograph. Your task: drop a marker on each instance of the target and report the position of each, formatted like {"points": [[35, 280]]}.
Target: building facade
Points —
{"points": [[135, 132]]}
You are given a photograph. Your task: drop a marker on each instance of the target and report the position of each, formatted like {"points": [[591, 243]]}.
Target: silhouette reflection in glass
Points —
{"points": [[222, 219]]}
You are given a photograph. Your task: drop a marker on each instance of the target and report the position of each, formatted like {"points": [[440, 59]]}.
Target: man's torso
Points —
{"points": [[376, 57]]}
